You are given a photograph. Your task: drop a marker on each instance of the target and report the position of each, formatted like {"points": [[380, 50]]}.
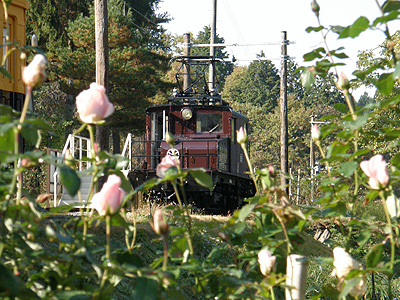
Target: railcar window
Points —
{"points": [[209, 122]]}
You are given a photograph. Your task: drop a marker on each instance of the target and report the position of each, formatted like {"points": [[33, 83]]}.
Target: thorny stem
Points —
{"points": [[389, 221], [130, 247], [108, 234], [189, 231], [246, 154], [165, 261], [387, 33], [272, 293], [323, 156], [289, 244], [326, 46]]}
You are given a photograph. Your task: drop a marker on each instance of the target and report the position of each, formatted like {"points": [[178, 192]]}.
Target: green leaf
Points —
{"points": [[396, 160], [5, 73], [129, 261], [390, 5], [393, 15], [316, 29], [70, 180], [337, 29], [393, 205], [374, 256], [358, 123], [6, 141], [308, 78], [32, 135], [396, 73], [360, 25], [245, 211], [202, 178], [341, 107], [310, 56], [385, 83], [73, 295], [347, 169], [6, 110], [145, 288], [9, 284], [118, 220]]}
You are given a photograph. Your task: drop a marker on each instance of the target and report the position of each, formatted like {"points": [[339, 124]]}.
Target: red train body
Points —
{"points": [[205, 128]]}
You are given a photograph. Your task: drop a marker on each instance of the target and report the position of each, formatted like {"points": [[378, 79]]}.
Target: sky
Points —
{"points": [[255, 22]]}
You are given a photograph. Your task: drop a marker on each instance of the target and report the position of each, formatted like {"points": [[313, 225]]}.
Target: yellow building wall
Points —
{"points": [[17, 32]]}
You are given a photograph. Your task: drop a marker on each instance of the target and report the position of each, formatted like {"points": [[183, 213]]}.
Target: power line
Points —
{"points": [[235, 26], [237, 45], [150, 21]]}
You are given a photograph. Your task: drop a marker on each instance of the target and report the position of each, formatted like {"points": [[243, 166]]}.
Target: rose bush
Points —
{"points": [[45, 256]]}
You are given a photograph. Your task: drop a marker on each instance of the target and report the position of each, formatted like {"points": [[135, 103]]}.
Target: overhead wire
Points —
{"points": [[145, 30], [235, 27], [138, 12]]}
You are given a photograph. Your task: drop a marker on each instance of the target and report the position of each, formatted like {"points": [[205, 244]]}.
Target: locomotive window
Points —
{"points": [[209, 122]]}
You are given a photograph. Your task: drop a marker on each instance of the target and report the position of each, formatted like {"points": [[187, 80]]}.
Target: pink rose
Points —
{"points": [[242, 136], [315, 133], [167, 162], [375, 169], [160, 226], [34, 74], [93, 105], [109, 199]]}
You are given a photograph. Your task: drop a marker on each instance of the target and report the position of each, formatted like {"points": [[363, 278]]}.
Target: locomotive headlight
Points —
{"points": [[186, 113]]}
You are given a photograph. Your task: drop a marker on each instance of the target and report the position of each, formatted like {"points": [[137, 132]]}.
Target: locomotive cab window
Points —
{"points": [[208, 122]]}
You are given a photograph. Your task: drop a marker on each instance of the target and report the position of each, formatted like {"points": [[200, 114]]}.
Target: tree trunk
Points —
{"points": [[116, 142], [101, 35]]}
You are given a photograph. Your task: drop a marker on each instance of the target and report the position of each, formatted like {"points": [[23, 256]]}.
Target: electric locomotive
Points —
{"points": [[205, 128]]}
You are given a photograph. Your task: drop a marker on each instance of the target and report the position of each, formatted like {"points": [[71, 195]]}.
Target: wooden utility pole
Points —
{"points": [[284, 119], [213, 33], [186, 66], [101, 35]]}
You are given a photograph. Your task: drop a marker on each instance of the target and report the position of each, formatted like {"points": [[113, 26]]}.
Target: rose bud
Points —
{"points": [[109, 199], [343, 263], [343, 83], [69, 159], [160, 225], [34, 74], [271, 171], [315, 133], [266, 261], [170, 139], [93, 104], [315, 7], [242, 136]]}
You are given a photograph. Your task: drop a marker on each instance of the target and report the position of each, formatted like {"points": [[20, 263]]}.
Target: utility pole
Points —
{"points": [[186, 66], [101, 36], [213, 33], [284, 119]]}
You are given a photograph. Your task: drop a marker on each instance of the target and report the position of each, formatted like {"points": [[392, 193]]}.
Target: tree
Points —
{"points": [[257, 84], [365, 99], [48, 19], [203, 37], [138, 60], [136, 70]]}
